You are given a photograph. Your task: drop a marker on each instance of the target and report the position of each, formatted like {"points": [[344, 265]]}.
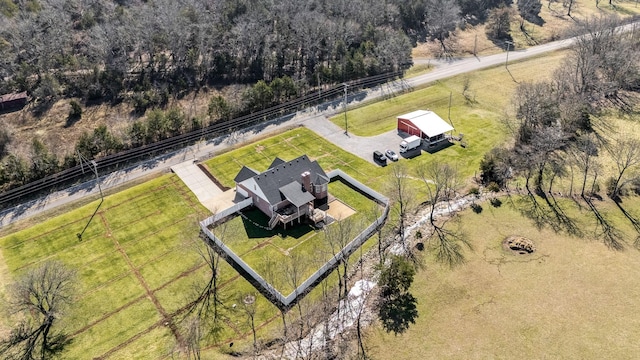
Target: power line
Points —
{"points": [[131, 156]]}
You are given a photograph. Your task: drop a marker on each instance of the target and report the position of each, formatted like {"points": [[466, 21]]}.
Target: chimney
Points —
{"points": [[306, 181]]}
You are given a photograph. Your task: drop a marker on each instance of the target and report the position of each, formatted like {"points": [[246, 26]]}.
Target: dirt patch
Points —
{"points": [[339, 210], [518, 245]]}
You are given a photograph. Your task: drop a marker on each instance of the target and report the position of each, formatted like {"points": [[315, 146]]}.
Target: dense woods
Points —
{"points": [[101, 50], [108, 50]]}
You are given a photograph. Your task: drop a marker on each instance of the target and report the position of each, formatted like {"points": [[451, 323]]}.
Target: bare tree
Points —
{"points": [[626, 154], [40, 297], [192, 331], [568, 4], [402, 195], [603, 61], [205, 308], [442, 19], [529, 10], [294, 268], [584, 151], [360, 307], [338, 236], [327, 306], [250, 307], [442, 181], [498, 24], [372, 215]]}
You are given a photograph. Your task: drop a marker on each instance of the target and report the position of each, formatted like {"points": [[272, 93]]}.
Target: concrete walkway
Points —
{"points": [[197, 181]]}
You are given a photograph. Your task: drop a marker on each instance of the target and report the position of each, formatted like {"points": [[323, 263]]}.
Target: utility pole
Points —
{"points": [[346, 122], [507, 61], [475, 46], [95, 172]]}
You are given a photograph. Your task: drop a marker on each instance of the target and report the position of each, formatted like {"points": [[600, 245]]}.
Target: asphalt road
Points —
{"points": [[314, 118]]}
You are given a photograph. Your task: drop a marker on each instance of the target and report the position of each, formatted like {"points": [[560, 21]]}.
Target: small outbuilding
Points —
{"points": [[13, 101], [425, 124]]}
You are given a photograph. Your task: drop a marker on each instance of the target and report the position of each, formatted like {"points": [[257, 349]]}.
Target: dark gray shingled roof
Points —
{"points": [[283, 174], [277, 161], [293, 192], [321, 179], [244, 174]]}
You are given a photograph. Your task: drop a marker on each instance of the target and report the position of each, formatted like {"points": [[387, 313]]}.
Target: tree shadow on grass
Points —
{"points": [[503, 42], [563, 219], [632, 219], [549, 213], [611, 236], [57, 343]]}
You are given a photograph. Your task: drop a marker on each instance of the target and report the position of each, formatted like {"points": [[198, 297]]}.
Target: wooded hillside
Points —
{"points": [[100, 50]]}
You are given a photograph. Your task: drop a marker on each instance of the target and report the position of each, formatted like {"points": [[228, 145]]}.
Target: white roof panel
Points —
{"points": [[413, 114], [429, 123]]}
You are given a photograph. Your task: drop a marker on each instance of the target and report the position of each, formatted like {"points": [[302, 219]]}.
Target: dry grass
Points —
{"points": [[572, 298], [53, 130], [554, 25]]}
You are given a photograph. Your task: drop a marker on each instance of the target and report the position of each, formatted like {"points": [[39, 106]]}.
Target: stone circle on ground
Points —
{"points": [[519, 245]]}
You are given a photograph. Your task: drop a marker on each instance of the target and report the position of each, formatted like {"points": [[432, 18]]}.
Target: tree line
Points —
{"points": [[560, 127], [115, 50]]}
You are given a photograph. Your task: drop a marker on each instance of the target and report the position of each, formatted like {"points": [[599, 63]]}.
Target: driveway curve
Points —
{"points": [[358, 145]]}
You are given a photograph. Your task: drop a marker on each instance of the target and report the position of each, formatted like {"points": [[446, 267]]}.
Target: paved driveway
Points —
{"points": [[358, 145]]}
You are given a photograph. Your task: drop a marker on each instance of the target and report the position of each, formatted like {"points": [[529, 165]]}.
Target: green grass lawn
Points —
{"points": [[288, 146], [572, 298], [489, 92], [135, 262], [301, 246]]}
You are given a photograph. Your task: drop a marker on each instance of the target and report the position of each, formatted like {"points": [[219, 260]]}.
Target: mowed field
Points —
{"points": [[138, 266], [135, 265], [474, 110], [573, 298], [137, 270], [289, 146]]}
